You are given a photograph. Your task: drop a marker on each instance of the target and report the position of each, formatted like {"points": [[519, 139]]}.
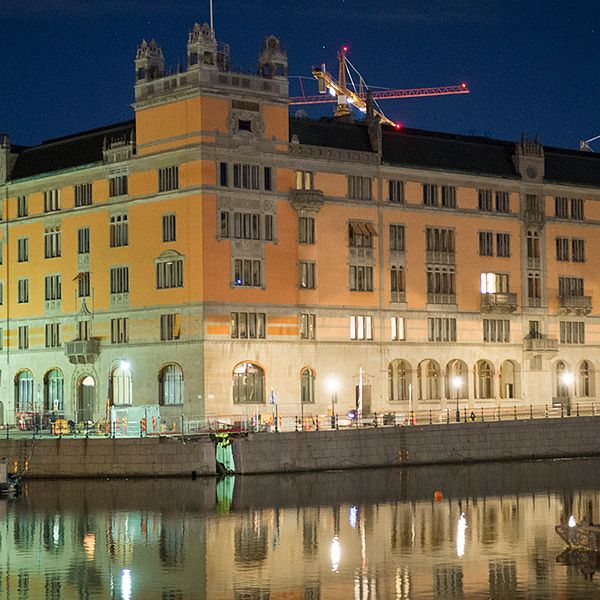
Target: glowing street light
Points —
{"points": [[457, 384], [567, 379], [333, 385]]}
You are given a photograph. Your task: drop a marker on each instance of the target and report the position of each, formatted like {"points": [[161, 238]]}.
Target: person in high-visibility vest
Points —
{"points": [[224, 454]]}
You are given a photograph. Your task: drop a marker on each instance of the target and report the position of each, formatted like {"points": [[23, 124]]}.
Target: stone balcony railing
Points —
{"points": [[82, 351], [308, 200], [540, 344], [499, 302], [575, 305]]}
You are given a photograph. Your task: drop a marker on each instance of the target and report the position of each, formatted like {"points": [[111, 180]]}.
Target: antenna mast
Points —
{"points": [[212, 25]]}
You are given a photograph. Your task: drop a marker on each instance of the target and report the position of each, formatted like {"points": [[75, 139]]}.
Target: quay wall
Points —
{"points": [[289, 452]]}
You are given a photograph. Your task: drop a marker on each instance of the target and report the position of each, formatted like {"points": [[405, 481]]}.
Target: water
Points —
{"points": [[364, 535]]}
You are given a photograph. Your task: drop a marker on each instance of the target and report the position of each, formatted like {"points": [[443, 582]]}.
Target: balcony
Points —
{"points": [[540, 344], [441, 298], [575, 305], [361, 253], [398, 297], [81, 352], [499, 302], [440, 258], [306, 200], [533, 215]]}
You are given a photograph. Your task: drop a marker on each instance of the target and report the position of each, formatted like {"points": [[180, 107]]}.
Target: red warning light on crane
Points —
{"points": [[398, 126], [344, 49]]}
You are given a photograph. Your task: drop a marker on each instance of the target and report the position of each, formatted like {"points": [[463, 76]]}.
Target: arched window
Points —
{"points": [[54, 391], [585, 383], [307, 386], [24, 391], [510, 380], [398, 379], [485, 380], [428, 373], [121, 385], [562, 379], [170, 382], [457, 380], [248, 384]]}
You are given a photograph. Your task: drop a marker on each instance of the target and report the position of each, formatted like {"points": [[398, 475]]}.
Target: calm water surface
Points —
{"points": [[379, 534]]}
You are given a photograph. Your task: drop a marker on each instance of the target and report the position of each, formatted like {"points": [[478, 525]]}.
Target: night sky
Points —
{"points": [[67, 65]]}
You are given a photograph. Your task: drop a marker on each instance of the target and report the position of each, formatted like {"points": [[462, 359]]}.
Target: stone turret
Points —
{"points": [[272, 60], [149, 62], [529, 159], [204, 51]]}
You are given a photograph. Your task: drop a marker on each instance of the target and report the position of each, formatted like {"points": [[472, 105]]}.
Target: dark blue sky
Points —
{"points": [[67, 65]]}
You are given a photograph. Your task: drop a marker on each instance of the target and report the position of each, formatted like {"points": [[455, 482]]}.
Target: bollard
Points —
{"points": [[577, 409], [593, 409], [562, 412], [337, 422], [498, 413], [531, 411], [482, 419], [447, 415], [430, 420], [515, 411]]}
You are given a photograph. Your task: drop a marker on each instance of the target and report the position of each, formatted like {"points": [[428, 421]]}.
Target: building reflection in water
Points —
{"points": [[354, 535]]}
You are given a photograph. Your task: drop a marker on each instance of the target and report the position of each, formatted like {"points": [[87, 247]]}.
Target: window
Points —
{"points": [[52, 245], [119, 333], [168, 179], [441, 284], [23, 249], [246, 325], [24, 391], [398, 380], [119, 280], [448, 196], [439, 240], [169, 273], [577, 250], [170, 326], [267, 179], [117, 185], [23, 337], [486, 243], [307, 278], [223, 175], [502, 202], [83, 330], [306, 230], [248, 384], [83, 240], [397, 238], [577, 209], [484, 200], [245, 176], [246, 226], [572, 332], [307, 386], [224, 224], [430, 194], [494, 283], [534, 204], [22, 206], [244, 125], [561, 207], [485, 380], [359, 188], [119, 231], [52, 287], [1, 292], [308, 326], [562, 248], [304, 180], [169, 231], [269, 232], [395, 191], [52, 337], [570, 286], [51, 200], [496, 330], [397, 283], [360, 235], [361, 278], [83, 194], [441, 329], [361, 327], [398, 328], [534, 288], [533, 245], [247, 272], [23, 291], [120, 387], [170, 385], [83, 284], [503, 245]]}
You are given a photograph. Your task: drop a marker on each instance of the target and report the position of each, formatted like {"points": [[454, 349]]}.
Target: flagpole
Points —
{"points": [[211, 16]]}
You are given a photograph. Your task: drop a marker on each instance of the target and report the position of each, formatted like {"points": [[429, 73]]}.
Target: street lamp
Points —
{"points": [[457, 384], [333, 386], [567, 380]]}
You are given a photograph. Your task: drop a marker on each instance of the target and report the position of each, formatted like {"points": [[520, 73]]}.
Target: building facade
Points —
{"points": [[215, 256]]}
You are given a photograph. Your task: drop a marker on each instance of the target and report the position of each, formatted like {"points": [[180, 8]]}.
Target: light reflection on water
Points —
{"points": [[363, 535]]}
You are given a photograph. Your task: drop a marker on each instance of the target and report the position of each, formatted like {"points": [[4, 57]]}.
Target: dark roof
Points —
{"points": [[330, 133], [572, 166], [447, 152], [66, 152]]}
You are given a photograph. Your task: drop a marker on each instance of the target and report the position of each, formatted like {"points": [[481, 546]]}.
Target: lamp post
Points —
{"points": [[333, 387], [567, 379], [457, 384]]}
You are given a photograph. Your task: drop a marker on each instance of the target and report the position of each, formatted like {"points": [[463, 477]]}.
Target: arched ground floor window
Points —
{"points": [[248, 384]]}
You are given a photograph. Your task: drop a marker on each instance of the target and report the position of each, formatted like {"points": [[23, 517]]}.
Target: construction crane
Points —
{"points": [[331, 90], [585, 144]]}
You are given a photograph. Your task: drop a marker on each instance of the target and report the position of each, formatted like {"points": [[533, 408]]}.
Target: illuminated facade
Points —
{"points": [[214, 255]]}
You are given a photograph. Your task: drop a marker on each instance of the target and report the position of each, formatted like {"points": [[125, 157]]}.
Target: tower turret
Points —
{"points": [[204, 51], [149, 62], [272, 60]]}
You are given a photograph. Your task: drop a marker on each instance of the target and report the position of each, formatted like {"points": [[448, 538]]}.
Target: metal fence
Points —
{"points": [[273, 422]]}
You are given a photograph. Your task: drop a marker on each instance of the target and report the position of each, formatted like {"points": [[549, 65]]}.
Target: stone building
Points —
{"points": [[215, 256]]}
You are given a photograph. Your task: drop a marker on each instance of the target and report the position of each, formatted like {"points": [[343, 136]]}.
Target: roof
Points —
{"points": [[332, 134], [66, 152]]}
